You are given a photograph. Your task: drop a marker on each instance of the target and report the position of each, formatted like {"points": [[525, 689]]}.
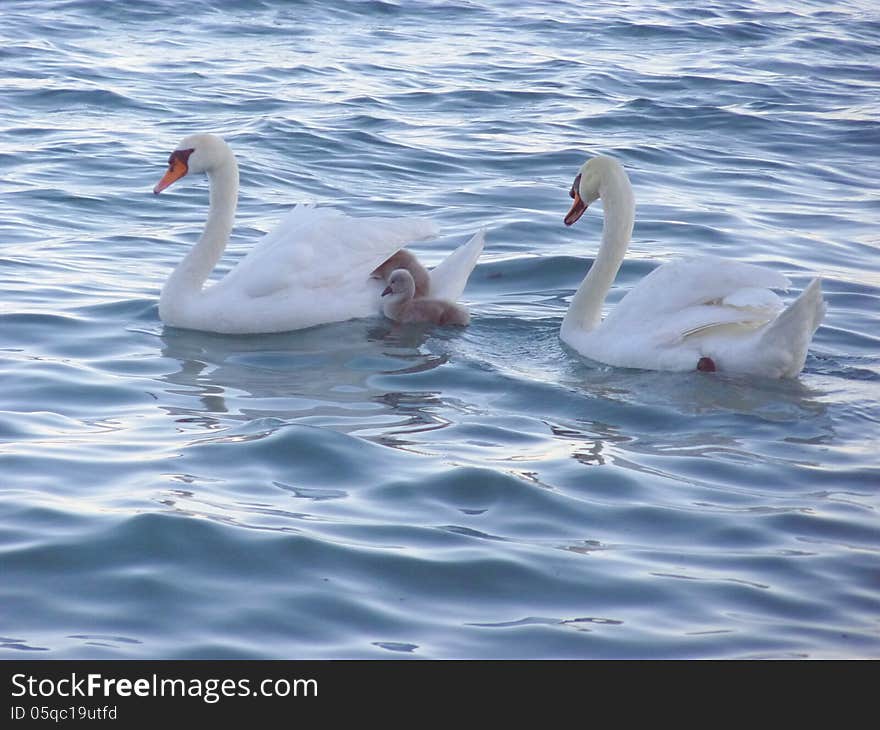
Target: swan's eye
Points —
{"points": [[179, 155], [574, 187]]}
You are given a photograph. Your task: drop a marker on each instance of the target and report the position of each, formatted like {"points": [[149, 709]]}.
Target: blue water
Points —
{"points": [[356, 490]]}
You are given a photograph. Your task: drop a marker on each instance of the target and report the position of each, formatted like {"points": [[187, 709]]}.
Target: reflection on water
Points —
{"points": [[321, 376], [357, 377], [695, 393]]}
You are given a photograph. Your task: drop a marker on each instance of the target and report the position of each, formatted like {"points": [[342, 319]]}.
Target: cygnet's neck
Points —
{"points": [[394, 304]]}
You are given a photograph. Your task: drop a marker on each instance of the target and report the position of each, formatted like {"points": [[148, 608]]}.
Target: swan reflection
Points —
{"points": [[320, 376]]}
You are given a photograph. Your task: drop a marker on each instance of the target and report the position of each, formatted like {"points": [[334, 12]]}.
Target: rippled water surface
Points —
{"points": [[360, 490]]}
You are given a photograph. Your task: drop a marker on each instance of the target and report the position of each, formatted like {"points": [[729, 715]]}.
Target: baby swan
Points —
{"points": [[402, 307], [404, 259]]}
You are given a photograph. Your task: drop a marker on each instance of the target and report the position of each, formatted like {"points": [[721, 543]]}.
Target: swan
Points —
{"points": [[315, 267], [402, 306], [705, 313]]}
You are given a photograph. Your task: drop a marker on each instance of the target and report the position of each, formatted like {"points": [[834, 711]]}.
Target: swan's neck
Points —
{"points": [[585, 310], [190, 275]]}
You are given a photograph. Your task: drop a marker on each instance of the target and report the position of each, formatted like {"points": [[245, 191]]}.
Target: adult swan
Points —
{"points": [[706, 313], [314, 267]]}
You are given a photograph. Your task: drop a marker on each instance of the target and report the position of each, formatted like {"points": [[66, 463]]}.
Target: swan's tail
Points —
{"points": [[789, 335], [450, 276]]}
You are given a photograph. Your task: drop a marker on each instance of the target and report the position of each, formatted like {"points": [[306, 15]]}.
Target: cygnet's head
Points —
{"points": [[401, 285], [587, 185], [196, 153]]}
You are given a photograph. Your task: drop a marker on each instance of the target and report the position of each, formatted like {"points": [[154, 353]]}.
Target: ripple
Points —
{"points": [[365, 491]]}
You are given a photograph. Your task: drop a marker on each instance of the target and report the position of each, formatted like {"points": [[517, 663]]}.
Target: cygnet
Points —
{"points": [[402, 307], [404, 259]]}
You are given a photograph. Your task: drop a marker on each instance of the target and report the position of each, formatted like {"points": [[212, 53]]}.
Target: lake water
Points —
{"points": [[362, 491]]}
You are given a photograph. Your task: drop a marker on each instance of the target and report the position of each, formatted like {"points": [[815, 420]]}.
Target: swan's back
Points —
{"points": [[315, 248], [314, 267], [679, 285]]}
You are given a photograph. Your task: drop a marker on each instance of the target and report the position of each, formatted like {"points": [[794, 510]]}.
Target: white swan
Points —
{"points": [[705, 313], [314, 267]]}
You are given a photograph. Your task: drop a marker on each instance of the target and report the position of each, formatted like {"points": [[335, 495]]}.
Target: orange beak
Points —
{"points": [[578, 206], [177, 168], [577, 209]]}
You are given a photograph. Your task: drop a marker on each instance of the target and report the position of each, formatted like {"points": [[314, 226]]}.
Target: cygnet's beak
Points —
{"points": [[177, 168], [386, 290], [578, 206]]}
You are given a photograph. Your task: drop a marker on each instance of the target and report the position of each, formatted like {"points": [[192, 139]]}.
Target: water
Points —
{"points": [[357, 490]]}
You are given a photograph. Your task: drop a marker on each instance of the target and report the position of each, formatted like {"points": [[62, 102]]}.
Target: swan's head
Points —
{"points": [[196, 153], [401, 285], [588, 184]]}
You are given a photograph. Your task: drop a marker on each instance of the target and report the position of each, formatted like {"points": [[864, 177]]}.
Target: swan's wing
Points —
{"points": [[689, 298], [320, 248], [450, 276], [674, 327], [755, 299], [706, 280]]}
